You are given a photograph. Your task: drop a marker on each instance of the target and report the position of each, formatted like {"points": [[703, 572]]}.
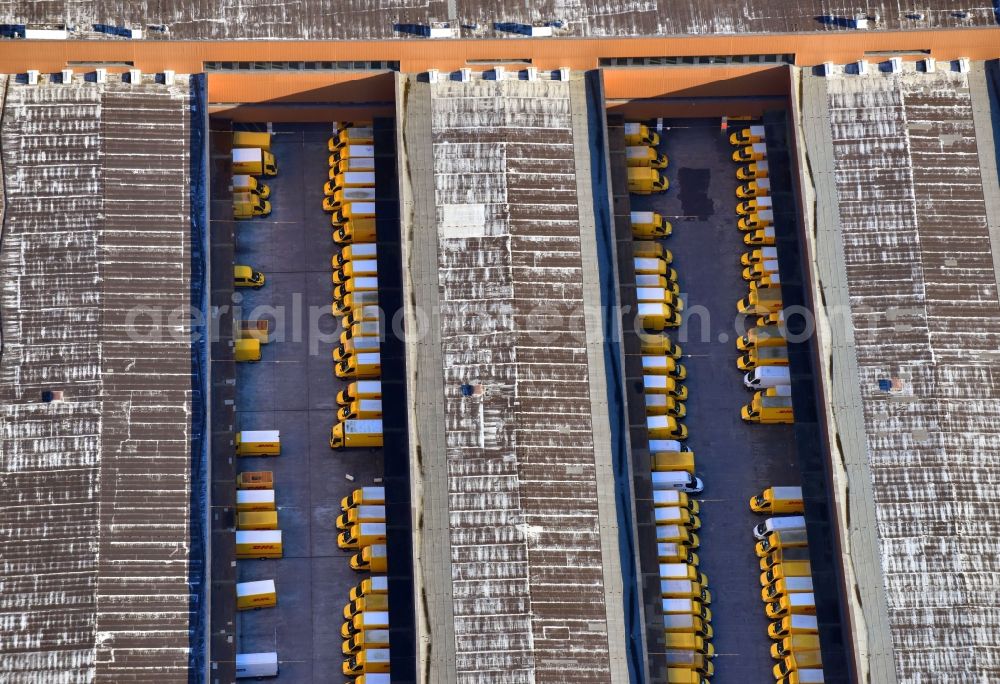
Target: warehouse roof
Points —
{"points": [[367, 19], [97, 551], [513, 509], [912, 251]]}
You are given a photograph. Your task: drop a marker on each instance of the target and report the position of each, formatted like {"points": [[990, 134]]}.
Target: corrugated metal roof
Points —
{"points": [[526, 563], [330, 20], [95, 562], [926, 318]]}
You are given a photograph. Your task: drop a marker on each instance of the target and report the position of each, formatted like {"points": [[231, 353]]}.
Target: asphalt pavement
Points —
{"points": [[736, 460], [293, 389]]}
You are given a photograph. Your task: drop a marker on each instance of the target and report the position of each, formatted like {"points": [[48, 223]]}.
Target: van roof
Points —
{"points": [[802, 599], [786, 492], [370, 426], [366, 510], [258, 536], [259, 436], [373, 492], [375, 528], [665, 445], [641, 216], [664, 478], [376, 655], [677, 604], [374, 617], [369, 386], [665, 497], [776, 402], [771, 372], [380, 582], [246, 154], [362, 207], [359, 177], [254, 495], [370, 404], [257, 587], [802, 621], [652, 309], [368, 282], [368, 358], [361, 150]]}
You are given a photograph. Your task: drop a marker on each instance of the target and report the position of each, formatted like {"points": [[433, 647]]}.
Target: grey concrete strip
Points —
{"points": [[605, 479], [982, 116], [845, 414], [425, 384]]}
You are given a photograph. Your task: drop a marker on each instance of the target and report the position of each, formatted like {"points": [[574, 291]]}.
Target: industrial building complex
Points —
{"points": [[475, 342]]}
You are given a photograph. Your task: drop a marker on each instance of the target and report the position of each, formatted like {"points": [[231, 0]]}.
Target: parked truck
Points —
{"points": [[751, 171], [747, 136], [763, 356], [356, 268], [762, 336], [247, 183], [342, 196], [754, 206], [644, 155], [756, 221], [348, 179], [252, 139], [355, 434], [360, 514], [763, 237], [358, 230], [370, 559], [361, 534], [639, 134], [648, 225], [757, 193], [644, 180], [363, 496], [352, 252], [760, 301], [254, 161], [768, 410], [354, 135], [245, 276], [360, 389], [750, 153], [366, 638], [248, 205]]}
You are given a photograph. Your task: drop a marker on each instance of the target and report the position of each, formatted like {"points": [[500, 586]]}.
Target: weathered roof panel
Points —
{"points": [[368, 19], [96, 562], [924, 305], [526, 559]]}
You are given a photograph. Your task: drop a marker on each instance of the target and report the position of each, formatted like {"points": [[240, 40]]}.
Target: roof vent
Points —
{"points": [[49, 396], [101, 75], [961, 14], [963, 65], [168, 77], [862, 65], [67, 75], [828, 68], [860, 22], [895, 65], [499, 73], [33, 75], [433, 75], [135, 76], [440, 29], [930, 64], [465, 74], [532, 73], [543, 31], [563, 73]]}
